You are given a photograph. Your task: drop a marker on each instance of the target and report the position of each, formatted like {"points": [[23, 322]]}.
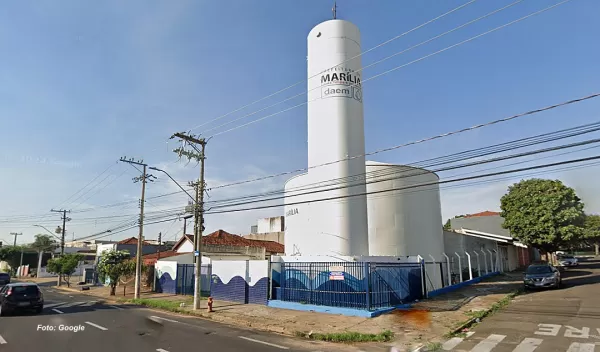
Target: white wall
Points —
{"points": [[105, 248], [273, 224], [186, 247], [251, 270], [164, 266]]}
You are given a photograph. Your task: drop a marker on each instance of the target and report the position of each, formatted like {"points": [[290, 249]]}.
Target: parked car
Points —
{"points": [[567, 260], [542, 276], [4, 279], [17, 297]]}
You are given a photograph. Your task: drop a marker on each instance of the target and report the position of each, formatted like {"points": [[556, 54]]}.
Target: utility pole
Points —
{"points": [[199, 156], [63, 231], [144, 178], [15, 234], [159, 245]]}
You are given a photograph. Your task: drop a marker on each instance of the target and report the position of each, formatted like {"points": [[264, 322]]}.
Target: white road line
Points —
{"points": [[57, 311], [119, 308], [96, 325], [264, 343], [165, 319], [470, 333], [581, 347], [488, 344], [53, 305], [72, 304], [161, 350], [450, 344], [528, 345], [89, 303], [2, 340]]}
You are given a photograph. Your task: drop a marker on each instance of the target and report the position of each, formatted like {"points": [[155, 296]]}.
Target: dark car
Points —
{"points": [[4, 279], [17, 297], [542, 276]]}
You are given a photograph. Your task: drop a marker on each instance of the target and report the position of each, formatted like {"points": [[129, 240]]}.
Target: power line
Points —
{"points": [[531, 112], [409, 187], [89, 183], [399, 67], [370, 65], [346, 61]]}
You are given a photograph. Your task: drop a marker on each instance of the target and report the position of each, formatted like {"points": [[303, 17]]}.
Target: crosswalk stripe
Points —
{"points": [[581, 347], [489, 343], [71, 304], [2, 340], [470, 333], [528, 345], [90, 303], [450, 344], [53, 305]]}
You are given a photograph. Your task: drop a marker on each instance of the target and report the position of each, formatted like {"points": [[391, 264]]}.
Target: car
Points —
{"points": [[567, 260], [4, 279], [22, 296], [542, 276]]}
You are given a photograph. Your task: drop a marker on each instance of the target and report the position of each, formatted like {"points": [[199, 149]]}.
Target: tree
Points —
{"points": [[11, 255], [542, 213], [65, 266], [115, 265], [43, 243], [591, 232], [447, 225]]}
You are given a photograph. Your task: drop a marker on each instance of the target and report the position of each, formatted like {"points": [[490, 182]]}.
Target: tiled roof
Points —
{"points": [[225, 238], [483, 213], [130, 240], [163, 254]]}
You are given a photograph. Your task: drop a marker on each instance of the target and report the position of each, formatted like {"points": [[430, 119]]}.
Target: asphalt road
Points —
{"points": [[561, 320], [104, 327]]}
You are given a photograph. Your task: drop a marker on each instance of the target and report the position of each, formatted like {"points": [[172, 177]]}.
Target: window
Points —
{"points": [[539, 269], [28, 290], [4, 276]]}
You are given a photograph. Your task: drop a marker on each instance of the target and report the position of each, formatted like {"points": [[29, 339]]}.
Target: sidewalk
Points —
{"points": [[427, 322]]}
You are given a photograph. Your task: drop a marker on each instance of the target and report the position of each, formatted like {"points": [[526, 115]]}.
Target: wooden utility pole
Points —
{"points": [[15, 234], [144, 178], [62, 231], [200, 187]]}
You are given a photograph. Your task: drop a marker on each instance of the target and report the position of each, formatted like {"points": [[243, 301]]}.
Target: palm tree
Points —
{"points": [[43, 243]]}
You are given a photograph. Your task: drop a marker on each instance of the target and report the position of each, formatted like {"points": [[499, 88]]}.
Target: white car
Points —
{"points": [[567, 260]]}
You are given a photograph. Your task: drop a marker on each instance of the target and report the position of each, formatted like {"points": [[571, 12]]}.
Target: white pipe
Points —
{"points": [[459, 268], [448, 267], [478, 266], [470, 270], [491, 260], [433, 260], [423, 279], [485, 261]]}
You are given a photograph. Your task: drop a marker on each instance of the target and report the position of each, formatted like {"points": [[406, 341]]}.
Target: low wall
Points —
{"points": [[241, 281], [459, 285]]}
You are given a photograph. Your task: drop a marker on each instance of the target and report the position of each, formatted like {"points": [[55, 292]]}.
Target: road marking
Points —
{"points": [[165, 319], [119, 308], [470, 333], [2, 340], [89, 303], [53, 305], [584, 333], [57, 311], [489, 343], [548, 329], [581, 347], [96, 325], [450, 344], [161, 350], [264, 343], [528, 345], [71, 304]]}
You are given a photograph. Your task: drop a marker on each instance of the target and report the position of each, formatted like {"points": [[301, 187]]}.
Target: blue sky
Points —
{"points": [[84, 84]]}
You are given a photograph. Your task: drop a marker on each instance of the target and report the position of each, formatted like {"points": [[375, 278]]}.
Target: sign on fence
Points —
{"points": [[336, 275]]}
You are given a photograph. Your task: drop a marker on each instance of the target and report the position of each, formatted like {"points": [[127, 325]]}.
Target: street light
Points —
{"points": [[172, 179], [50, 232]]}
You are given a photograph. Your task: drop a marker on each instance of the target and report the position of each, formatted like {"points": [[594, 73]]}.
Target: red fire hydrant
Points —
{"points": [[209, 304]]}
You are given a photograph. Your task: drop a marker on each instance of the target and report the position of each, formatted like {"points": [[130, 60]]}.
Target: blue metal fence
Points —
{"points": [[361, 285]]}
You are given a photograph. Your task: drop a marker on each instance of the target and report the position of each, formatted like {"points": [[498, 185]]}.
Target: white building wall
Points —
{"points": [[186, 247], [273, 224]]}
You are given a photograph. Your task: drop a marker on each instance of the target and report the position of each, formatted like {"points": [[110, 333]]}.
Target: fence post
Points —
{"points": [[448, 268], [459, 267], [423, 279], [491, 260], [282, 280], [478, 266], [367, 276], [470, 269], [310, 290], [485, 261], [433, 262]]}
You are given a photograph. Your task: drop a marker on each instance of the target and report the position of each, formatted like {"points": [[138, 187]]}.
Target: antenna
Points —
{"points": [[334, 10]]}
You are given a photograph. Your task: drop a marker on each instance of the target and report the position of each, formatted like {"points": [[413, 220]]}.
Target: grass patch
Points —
{"points": [[433, 346], [348, 336], [173, 306], [475, 317]]}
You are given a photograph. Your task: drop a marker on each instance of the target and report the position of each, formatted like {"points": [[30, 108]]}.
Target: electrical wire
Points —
{"points": [[84, 187], [370, 65], [346, 61], [409, 187], [399, 67]]}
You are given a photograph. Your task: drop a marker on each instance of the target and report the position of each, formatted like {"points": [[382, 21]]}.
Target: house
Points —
{"points": [[482, 232]]}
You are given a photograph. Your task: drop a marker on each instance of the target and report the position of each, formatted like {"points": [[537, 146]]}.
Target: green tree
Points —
{"points": [[447, 225], [42, 244], [115, 265], [591, 232], [542, 213], [11, 255], [65, 266]]}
